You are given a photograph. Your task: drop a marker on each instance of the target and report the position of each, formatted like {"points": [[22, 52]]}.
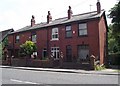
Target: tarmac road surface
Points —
{"points": [[18, 76]]}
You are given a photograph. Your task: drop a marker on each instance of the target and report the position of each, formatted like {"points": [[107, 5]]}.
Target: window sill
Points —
{"points": [[54, 39], [83, 36]]}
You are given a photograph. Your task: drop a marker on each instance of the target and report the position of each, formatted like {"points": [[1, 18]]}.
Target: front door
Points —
{"points": [[68, 53]]}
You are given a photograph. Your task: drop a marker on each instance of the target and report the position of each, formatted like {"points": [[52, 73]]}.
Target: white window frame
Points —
{"points": [[55, 52], [17, 38], [83, 29], [54, 33], [34, 38]]}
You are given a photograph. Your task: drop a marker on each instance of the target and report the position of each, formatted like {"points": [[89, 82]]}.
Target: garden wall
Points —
{"points": [[31, 62]]}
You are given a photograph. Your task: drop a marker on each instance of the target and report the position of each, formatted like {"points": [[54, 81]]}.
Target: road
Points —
{"points": [[18, 76]]}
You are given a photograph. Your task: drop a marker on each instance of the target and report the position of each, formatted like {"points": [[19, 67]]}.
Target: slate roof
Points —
{"points": [[79, 17], [4, 34]]}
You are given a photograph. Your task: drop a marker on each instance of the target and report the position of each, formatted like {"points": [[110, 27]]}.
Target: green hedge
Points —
{"points": [[114, 59]]}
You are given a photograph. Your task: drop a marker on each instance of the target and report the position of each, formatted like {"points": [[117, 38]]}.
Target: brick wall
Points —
{"points": [[95, 39], [102, 39]]}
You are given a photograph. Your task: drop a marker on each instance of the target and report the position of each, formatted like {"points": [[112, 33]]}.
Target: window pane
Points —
{"points": [[55, 30], [69, 34], [56, 35], [34, 38], [68, 28], [85, 32], [82, 32], [17, 37], [83, 26], [68, 31]]}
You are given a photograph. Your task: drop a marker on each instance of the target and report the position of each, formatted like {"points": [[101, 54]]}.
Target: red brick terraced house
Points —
{"points": [[75, 37]]}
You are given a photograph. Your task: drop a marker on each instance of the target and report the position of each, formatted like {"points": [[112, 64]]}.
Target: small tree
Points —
{"points": [[115, 27], [27, 48]]}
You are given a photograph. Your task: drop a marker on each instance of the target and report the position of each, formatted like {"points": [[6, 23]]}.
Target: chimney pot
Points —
{"points": [[70, 13], [32, 21], [98, 6], [49, 17]]}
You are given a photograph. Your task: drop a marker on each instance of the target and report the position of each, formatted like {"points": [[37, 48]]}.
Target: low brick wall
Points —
{"points": [[72, 65], [22, 62], [5, 62], [18, 62], [31, 62]]}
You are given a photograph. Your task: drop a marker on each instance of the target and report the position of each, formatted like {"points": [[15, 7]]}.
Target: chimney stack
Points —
{"points": [[98, 7], [70, 13], [32, 21], [49, 17]]}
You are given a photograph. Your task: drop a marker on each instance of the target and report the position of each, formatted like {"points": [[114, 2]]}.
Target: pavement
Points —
{"points": [[102, 72]]}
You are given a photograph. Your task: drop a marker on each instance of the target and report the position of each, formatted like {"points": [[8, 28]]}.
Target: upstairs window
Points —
{"points": [[55, 34], [33, 37], [68, 32], [17, 39], [82, 29]]}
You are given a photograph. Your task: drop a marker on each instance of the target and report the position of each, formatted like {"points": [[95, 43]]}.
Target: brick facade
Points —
{"points": [[95, 40]]}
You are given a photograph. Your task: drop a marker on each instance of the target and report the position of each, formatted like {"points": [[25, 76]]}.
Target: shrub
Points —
{"points": [[99, 67], [27, 48]]}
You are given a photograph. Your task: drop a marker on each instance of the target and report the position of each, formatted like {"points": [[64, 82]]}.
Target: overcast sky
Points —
{"points": [[17, 13]]}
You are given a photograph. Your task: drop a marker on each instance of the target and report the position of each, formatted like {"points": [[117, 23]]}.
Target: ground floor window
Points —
{"points": [[55, 52], [83, 52]]}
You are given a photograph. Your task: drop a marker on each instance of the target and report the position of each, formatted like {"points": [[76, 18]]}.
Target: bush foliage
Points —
{"points": [[27, 48]]}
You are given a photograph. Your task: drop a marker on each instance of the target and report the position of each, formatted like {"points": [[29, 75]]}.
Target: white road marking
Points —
{"points": [[30, 82], [15, 80], [27, 82]]}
